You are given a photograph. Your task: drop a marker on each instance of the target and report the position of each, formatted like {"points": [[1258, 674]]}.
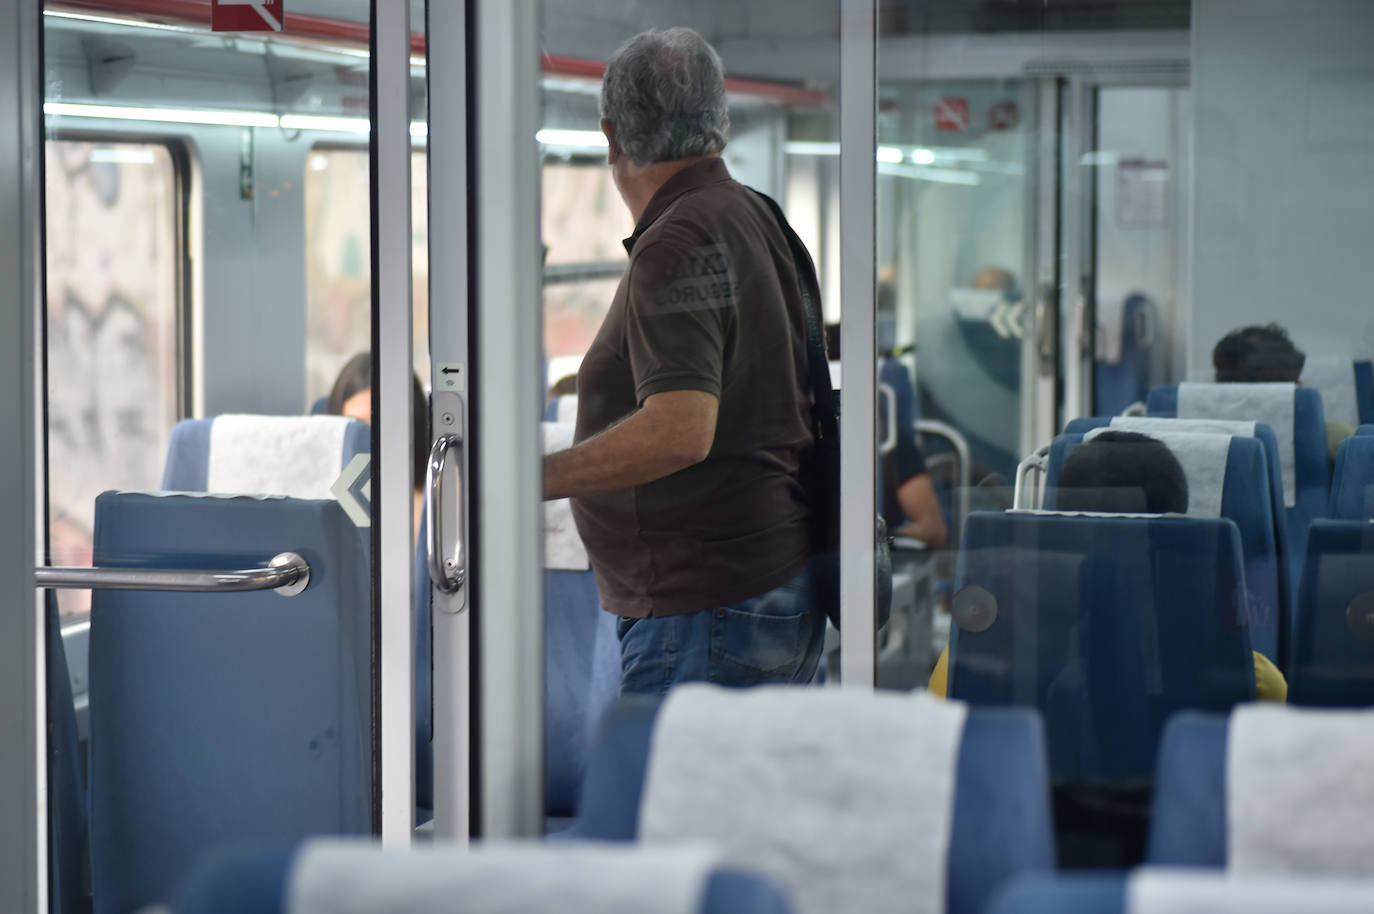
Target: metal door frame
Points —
{"points": [[23, 711]]}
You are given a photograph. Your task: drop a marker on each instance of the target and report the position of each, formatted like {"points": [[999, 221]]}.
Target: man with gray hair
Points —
{"points": [[693, 401]]}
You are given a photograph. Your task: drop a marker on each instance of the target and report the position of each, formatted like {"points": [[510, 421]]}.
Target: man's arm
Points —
{"points": [[920, 504], [671, 431]]}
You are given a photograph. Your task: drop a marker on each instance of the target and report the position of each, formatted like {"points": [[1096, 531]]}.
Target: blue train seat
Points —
{"points": [[1352, 483], [1364, 391], [1244, 499], [1214, 807], [1306, 483], [1161, 890], [1001, 822], [224, 454], [1333, 637], [68, 846], [1364, 430], [259, 880], [1122, 375], [221, 717], [1106, 623]]}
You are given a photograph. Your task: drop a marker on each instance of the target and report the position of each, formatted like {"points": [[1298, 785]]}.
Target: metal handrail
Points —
{"points": [[447, 574], [964, 484], [287, 573], [1038, 461], [887, 400]]}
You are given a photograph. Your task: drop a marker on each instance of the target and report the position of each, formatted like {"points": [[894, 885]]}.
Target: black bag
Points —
{"points": [[821, 471]]}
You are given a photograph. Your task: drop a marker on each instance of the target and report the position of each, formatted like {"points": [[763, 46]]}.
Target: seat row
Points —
{"points": [[792, 799], [247, 714]]}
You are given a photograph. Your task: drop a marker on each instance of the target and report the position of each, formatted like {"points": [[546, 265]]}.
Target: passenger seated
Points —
{"points": [[1255, 355], [1128, 473], [351, 396]]}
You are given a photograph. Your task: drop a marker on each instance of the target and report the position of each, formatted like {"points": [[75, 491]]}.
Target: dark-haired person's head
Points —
{"points": [[351, 396], [1257, 354], [1123, 473]]}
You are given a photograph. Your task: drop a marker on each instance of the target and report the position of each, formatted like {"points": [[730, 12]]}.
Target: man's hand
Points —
{"points": [[671, 431]]}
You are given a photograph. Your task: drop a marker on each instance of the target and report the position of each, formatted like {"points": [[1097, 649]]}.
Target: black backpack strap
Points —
{"points": [[825, 411]]}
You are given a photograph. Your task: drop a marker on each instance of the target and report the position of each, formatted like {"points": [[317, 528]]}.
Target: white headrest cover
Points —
{"points": [[1154, 890], [1203, 459], [1271, 404], [563, 549], [296, 456], [332, 876], [1148, 425], [842, 797], [1334, 377], [1300, 796]]}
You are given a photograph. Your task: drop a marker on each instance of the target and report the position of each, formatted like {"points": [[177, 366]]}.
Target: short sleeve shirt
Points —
{"points": [[710, 302]]}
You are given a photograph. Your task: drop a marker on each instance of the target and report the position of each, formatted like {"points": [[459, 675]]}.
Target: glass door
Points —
{"points": [[234, 403]]}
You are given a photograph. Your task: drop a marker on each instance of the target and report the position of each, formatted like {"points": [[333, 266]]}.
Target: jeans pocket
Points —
{"points": [[752, 646]]}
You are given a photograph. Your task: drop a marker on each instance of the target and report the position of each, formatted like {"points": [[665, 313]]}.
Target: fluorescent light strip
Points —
{"points": [[114, 20], [163, 115], [123, 156], [581, 139], [332, 124], [935, 175]]}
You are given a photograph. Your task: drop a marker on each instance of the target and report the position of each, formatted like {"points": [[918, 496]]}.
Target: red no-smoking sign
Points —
{"points": [[246, 15], [951, 113]]}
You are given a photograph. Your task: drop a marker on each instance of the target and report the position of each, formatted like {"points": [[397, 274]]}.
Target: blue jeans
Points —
{"points": [[774, 637]]}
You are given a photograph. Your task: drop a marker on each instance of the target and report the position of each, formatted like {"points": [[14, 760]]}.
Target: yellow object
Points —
{"points": [[939, 677], [1269, 682]]}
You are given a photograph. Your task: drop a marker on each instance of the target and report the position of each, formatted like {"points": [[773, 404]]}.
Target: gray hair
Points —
{"points": [[664, 91]]}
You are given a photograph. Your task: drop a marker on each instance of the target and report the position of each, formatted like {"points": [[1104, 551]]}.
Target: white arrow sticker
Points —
{"points": [[353, 489]]}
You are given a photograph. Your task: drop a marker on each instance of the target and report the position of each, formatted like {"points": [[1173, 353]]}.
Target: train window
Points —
{"points": [[338, 264], [114, 330], [584, 223]]}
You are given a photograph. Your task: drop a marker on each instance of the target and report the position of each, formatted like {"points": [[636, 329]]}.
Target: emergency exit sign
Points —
{"points": [[246, 15]]}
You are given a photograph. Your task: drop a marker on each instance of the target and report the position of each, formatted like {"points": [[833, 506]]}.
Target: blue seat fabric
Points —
{"points": [[1352, 482], [1001, 825], [68, 892], [188, 453], [1312, 467], [1265, 435], [1189, 823], [1331, 665], [1069, 894], [1107, 625], [223, 717], [256, 880], [1245, 499], [1116, 386]]}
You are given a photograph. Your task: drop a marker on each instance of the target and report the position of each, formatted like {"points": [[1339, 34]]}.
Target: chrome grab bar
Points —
{"points": [[287, 573], [448, 574], [887, 399], [1038, 461]]}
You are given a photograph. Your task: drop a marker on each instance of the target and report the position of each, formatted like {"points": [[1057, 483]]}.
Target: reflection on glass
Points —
{"points": [[113, 318]]}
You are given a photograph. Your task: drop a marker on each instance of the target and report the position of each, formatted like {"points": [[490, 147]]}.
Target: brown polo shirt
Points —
{"points": [[709, 302]]}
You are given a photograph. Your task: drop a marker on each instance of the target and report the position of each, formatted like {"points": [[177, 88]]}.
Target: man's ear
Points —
{"points": [[613, 152]]}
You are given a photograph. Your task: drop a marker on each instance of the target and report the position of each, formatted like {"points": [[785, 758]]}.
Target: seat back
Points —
{"points": [[258, 449], [1364, 391], [1364, 430], [1311, 466], [1245, 492], [1352, 482], [222, 717], [258, 880], [1333, 376], [1000, 828], [1188, 827], [1333, 638], [1105, 623], [1121, 375]]}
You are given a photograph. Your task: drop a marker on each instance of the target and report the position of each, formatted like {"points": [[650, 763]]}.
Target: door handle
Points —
{"points": [[287, 573], [448, 572]]}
